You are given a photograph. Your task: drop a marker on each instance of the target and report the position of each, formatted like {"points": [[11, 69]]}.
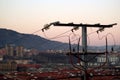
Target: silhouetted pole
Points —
{"points": [[84, 49], [84, 37]]}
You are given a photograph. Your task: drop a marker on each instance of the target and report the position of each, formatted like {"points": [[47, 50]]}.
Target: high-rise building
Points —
{"points": [[9, 50], [19, 51]]}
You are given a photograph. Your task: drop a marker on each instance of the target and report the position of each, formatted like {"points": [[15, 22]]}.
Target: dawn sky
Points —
{"points": [[28, 16]]}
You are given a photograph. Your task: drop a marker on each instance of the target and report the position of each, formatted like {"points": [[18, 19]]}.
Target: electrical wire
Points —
{"points": [[100, 38], [70, 53], [88, 40], [60, 45], [71, 60], [88, 36], [78, 48], [55, 36], [96, 55], [102, 64], [12, 42], [71, 41], [56, 46], [76, 39], [59, 36], [106, 58]]}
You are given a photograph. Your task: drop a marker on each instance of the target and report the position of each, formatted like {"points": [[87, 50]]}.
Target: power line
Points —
{"points": [[57, 36], [23, 37], [114, 41]]}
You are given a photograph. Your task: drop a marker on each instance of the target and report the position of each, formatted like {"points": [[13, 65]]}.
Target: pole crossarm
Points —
{"points": [[57, 23], [82, 25]]}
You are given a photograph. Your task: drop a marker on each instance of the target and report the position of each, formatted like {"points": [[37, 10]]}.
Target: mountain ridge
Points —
{"points": [[8, 36]]}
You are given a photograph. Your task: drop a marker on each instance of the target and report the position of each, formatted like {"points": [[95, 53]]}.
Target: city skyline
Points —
{"points": [[28, 16]]}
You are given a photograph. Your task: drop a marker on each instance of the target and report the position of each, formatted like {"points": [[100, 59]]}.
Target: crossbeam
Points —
{"points": [[82, 25]]}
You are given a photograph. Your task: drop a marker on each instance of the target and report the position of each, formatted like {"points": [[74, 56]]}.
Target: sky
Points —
{"points": [[28, 16]]}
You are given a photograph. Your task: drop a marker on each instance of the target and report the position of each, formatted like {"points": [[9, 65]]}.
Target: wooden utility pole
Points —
{"points": [[84, 37]]}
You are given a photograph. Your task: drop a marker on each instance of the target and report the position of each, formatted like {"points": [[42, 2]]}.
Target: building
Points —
{"points": [[113, 59], [19, 51], [9, 50], [23, 61], [13, 51], [8, 66]]}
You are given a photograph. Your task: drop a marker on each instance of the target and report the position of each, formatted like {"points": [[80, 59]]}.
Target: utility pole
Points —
{"points": [[84, 50], [84, 37]]}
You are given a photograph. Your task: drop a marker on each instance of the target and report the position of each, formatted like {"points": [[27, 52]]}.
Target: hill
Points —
{"points": [[28, 40]]}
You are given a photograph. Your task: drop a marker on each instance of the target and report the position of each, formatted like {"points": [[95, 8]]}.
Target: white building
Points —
{"points": [[113, 59]]}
